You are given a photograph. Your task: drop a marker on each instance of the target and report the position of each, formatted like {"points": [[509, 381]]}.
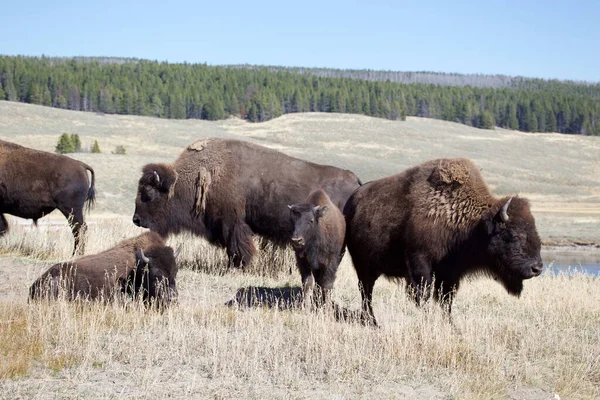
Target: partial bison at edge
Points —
{"points": [[228, 190], [439, 220], [318, 242], [140, 266], [34, 183]]}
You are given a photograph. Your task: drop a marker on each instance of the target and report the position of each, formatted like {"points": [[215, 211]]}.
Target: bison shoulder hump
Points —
{"points": [[451, 171], [199, 145]]}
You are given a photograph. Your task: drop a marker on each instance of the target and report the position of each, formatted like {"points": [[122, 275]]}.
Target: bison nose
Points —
{"points": [[537, 269], [136, 220], [297, 241]]}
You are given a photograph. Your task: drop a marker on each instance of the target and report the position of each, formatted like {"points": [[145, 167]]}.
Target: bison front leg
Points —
{"points": [[445, 291], [365, 286], [308, 282], [3, 225], [420, 278], [240, 247], [325, 278]]}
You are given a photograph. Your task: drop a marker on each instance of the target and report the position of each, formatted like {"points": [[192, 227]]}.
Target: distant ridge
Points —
{"points": [[120, 85]]}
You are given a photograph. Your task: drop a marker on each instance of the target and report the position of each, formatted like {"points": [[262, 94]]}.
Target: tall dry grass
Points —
{"points": [[544, 344]]}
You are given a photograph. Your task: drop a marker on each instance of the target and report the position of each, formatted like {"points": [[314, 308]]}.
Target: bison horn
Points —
{"points": [[156, 177], [143, 257], [290, 207], [503, 211]]}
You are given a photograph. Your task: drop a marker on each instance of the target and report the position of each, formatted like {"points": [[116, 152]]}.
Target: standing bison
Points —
{"points": [[140, 266], [439, 220], [318, 242], [226, 190], [34, 183]]}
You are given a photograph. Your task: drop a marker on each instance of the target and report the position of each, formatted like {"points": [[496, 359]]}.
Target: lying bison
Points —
{"points": [[318, 242], [226, 190], [439, 219], [141, 266], [34, 183]]}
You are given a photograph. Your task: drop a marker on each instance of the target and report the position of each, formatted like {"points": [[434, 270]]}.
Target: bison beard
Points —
{"points": [[228, 191], [434, 224]]}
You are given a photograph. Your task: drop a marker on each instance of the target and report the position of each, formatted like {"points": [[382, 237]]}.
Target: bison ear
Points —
{"points": [[160, 176], [320, 211], [490, 223]]}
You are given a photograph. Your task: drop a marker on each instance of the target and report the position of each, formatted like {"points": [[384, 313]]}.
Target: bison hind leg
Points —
{"points": [[240, 248], [3, 225], [75, 218]]}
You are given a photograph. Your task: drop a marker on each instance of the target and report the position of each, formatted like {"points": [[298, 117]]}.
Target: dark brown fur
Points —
{"points": [[318, 240], [118, 269], [438, 219], [228, 190], [34, 183]]}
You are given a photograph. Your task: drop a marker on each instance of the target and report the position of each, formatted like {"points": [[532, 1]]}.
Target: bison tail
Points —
{"points": [[91, 197]]}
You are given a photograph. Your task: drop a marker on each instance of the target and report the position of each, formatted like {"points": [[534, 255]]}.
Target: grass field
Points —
{"points": [[544, 345]]}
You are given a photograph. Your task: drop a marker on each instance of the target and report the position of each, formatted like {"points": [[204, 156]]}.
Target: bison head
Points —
{"points": [[155, 189], [305, 221], [154, 277], [513, 244]]}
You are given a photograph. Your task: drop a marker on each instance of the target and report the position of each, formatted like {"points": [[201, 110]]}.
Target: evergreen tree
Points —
{"points": [[76, 142], [486, 120], [64, 145], [96, 147]]}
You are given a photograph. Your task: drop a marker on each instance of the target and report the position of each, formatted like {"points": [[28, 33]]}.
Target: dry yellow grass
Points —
{"points": [[545, 343]]}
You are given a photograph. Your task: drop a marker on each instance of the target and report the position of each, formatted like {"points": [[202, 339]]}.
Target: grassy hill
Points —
{"points": [[558, 173]]}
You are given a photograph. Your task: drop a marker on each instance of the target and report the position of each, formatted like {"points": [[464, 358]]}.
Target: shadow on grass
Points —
{"points": [[283, 298]]}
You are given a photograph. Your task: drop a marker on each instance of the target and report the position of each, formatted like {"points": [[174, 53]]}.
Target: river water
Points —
{"points": [[571, 261]]}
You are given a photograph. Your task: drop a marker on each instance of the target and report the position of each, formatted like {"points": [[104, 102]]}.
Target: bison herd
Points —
{"points": [[432, 224]]}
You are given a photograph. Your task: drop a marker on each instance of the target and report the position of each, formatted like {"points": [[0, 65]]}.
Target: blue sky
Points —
{"points": [[542, 39]]}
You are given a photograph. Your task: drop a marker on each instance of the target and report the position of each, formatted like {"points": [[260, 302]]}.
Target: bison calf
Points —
{"points": [[141, 266], [439, 219], [34, 183], [318, 242]]}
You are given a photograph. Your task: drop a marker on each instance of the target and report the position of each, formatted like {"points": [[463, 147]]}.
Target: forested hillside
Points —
{"points": [[138, 87]]}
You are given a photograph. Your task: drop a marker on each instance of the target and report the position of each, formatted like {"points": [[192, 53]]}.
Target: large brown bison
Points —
{"points": [[318, 242], [226, 190], [439, 219], [34, 183], [140, 266]]}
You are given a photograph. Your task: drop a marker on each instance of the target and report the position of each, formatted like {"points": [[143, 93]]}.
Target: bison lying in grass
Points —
{"points": [[439, 219], [141, 266], [34, 183]]}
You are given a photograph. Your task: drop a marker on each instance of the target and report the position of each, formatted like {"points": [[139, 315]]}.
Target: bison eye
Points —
{"points": [[145, 197]]}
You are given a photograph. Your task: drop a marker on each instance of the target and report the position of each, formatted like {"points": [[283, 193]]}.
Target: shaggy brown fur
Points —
{"points": [[33, 183], [228, 190], [318, 240], [439, 219], [122, 268]]}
